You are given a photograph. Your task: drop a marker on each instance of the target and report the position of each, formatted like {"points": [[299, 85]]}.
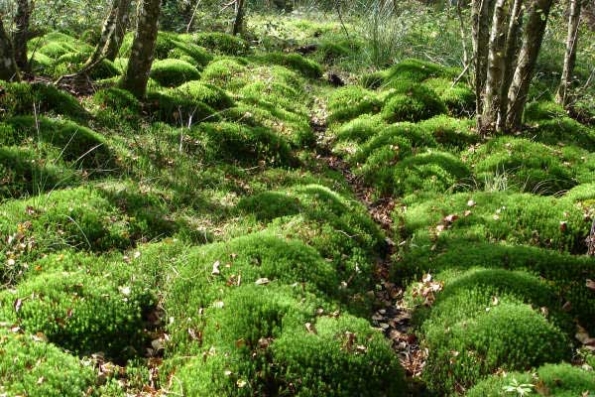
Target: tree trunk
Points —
{"points": [[21, 34], [510, 60], [8, 66], [112, 33], [481, 13], [238, 23], [532, 38], [574, 15], [143, 47], [496, 67]]}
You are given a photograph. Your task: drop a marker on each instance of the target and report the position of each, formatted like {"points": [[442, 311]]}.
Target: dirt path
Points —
{"points": [[392, 315]]}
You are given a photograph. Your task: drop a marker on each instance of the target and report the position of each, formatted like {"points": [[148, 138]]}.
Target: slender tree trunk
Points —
{"points": [[481, 12], [21, 34], [143, 47], [510, 60], [8, 66], [112, 33], [496, 66], [121, 26], [574, 15], [238, 23], [532, 38]]}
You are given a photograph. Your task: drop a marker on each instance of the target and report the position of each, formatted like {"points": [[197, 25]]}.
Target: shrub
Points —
{"points": [[350, 102], [527, 166], [209, 94], [81, 313], [414, 103], [33, 367], [173, 72], [323, 361], [510, 336], [562, 380]]}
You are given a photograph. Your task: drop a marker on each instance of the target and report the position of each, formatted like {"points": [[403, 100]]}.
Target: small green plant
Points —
{"points": [[520, 389]]}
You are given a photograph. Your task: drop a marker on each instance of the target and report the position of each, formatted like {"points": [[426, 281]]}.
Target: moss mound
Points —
{"points": [[226, 73], [350, 102], [81, 313], [412, 102], [561, 380], [31, 366], [26, 171], [432, 172], [413, 70], [521, 165], [508, 337], [170, 107], [173, 72], [459, 99], [451, 133], [322, 361], [209, 94], [304, 66], [231, 142], [360, 129], [78, 144], [222, 43]]}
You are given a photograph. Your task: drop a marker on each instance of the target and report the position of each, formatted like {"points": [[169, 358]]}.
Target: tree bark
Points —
{"points": [[510, 60], [143, 47], [238, 23], [481, 13], [574, 15], [532, 38], [496, 67], [112, 33], [8, 66], [21, 34]]}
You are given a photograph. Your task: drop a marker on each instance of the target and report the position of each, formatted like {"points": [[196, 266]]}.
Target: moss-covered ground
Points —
{"points": [[250, 229]]}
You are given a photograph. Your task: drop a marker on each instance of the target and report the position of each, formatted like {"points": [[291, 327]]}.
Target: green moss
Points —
{"points": [[361, 128], [413, 70], [232, 142], [561, 380], [350, 102], [412, 103], [431, 172], [55, 50], [30, 366], [562, 130], [451, 133], [81, 313], [209, 94], [521, 165], [331, 51], [173, 72], [373, 80], [25, 172], [459, 99], [510, 336], [226, 73], [78, 144], [324, 361], [27, 98], [200, 56], [117, 99], [540, 111], [171, 107], [222, 43], [304, 66]]}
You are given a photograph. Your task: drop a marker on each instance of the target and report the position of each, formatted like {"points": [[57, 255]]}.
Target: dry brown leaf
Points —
{"points": [[590, 284]]}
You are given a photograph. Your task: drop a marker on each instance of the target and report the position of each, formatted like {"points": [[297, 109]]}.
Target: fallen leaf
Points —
{"points": [[563, 226], [590, 284], [216, 270], [447, 220], [471, 203], [310, 328], [262, 281], [17, 305]]}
